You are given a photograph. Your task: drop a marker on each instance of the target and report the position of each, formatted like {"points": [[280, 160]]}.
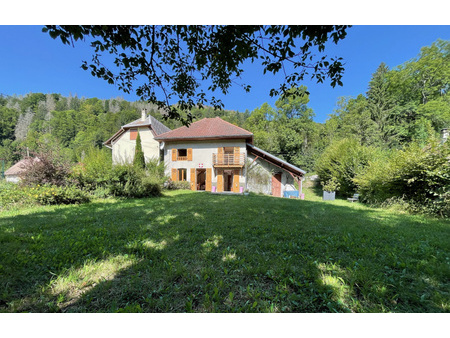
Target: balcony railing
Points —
{"points": [[182, 158], [229, 159]]}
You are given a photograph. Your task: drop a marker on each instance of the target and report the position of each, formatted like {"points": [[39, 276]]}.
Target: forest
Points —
{"points": [[402, 113]]}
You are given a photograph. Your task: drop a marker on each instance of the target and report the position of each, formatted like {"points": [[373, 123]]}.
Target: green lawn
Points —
{"points": [[197, 252]]}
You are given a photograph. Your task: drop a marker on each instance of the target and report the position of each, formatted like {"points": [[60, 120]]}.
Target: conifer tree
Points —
{"points": [[139, 160]]}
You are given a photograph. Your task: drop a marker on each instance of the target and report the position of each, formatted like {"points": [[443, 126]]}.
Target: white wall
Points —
{"points": [[12, 178], [123, 148], [202, 153], [268, 169]]}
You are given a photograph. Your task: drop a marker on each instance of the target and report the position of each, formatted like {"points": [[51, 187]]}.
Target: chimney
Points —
{"points": [[144, 114]]}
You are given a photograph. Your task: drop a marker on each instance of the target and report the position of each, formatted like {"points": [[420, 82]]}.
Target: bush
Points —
{"points": [[49, 166], [47, 195], [17, 196], [343, 160], [177, 185], [94, 170], [418, 175], [128, 181], [13, 196]]}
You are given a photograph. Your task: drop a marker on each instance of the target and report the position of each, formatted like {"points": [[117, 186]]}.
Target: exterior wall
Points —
{"points": [[260, 174], [12, 178], [123, 148], [202, 156]]}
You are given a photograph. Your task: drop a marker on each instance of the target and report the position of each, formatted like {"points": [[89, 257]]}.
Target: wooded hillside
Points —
{"points": [[409, 103]]}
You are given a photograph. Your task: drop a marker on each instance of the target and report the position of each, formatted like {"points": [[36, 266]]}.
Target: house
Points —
{"points": [[217, 156], [13, 174], [123, 142]]}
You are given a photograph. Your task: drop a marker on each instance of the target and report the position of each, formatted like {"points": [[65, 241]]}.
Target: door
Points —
{"points": [[201, 179], [276, 185]]}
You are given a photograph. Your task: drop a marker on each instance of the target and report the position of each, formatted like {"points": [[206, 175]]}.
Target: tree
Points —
{"points": [[171, 62], [139, 160], [381, 104], [8, 120]]}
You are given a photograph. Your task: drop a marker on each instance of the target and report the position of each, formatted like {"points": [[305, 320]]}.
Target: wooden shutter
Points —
{"points": [[236, 155], [193, 179], [208, 179], [189, 154], [219, 180], [174, 175], [220, 155], [236, 180], [174, 155], [133, 134]]}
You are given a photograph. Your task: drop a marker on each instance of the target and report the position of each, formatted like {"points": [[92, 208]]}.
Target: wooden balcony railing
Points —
{"points": [[182, 158], [229, 159]]}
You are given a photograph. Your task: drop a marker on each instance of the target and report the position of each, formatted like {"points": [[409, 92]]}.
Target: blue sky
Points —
{"points": [[30, 61]]}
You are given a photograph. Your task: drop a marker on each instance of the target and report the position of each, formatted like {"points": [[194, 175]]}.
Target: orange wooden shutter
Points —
{"points": [[236, 180], [133, 134], [189, 154], [219, 180], [174, 175], [220, 155], [193, 180], [208, 179], [236, 155], [174, 155]]}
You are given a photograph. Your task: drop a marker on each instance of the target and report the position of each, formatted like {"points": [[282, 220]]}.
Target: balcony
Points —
{"points": [[229, 160]]}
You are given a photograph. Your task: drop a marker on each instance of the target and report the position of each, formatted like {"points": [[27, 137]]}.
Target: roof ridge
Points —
{"points": [[234, 125]]}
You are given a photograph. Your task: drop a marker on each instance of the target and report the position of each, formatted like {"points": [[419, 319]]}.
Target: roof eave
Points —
{"points": [[204, 138], [281, 163]]}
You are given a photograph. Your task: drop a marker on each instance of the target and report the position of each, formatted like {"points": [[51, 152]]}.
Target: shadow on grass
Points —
{"points": [[210, 253]]}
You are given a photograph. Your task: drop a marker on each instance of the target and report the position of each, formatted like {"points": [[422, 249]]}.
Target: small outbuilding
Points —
{"points": [[14, 173]]}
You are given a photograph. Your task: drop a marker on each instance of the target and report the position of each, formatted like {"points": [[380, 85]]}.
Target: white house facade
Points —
{"points": [[123, 143], [211, 154]]}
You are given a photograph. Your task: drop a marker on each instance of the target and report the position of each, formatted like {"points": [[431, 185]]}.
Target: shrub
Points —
{"points": [[13, 195], [49, 166], [343, 160], [128, 181], [94, 170], [48, 194], [177, 185], [17, 196], [418, 175], [331, 185]]}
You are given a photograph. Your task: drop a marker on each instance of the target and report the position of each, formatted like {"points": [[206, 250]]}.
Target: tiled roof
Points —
{"points": [[205, 129], [275, 160], [157, 126], [150, 121], [20, 167]]}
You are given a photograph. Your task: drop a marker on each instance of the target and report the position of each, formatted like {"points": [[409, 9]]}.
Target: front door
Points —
{"points": [[276, 185], [201, 179], [228, 180]]}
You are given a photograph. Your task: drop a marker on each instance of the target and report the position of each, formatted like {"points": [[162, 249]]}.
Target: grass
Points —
{"points": [[197, 252]]}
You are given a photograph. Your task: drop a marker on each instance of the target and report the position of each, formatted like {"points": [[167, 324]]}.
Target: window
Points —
{"points": [[182, 155], [133, 134], [182, 174]]}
